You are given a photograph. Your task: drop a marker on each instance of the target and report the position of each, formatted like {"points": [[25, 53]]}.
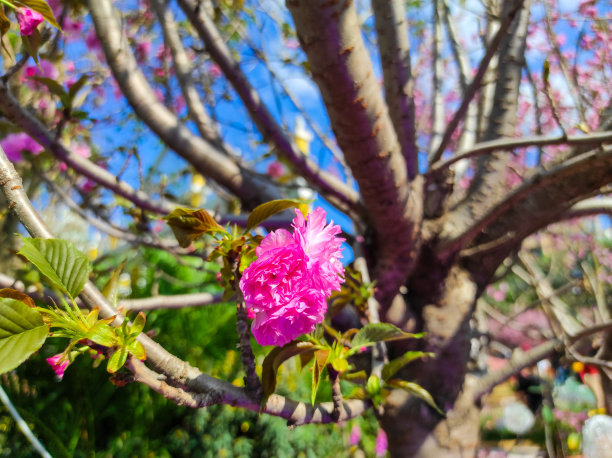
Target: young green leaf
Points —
{"points": [[417, 390], [22, 332], [377, 332], [117, 359], [10, 293], [53, 86], [65, 266], [137, 350], [189, 225], [264, 211], [391, 368], [274, 359], [320, 360], [112, 285]]}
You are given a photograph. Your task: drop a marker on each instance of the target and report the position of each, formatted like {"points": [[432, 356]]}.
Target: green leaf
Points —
{"points": [[391, 368], [77, 86], [417, 390], [137, 350], [40, 6], [53, 86], [65, 266], [138, 324], [274, 359], [22, 332], [117, 360], [320, 361], [264, 211], [102, 334], [32, 44], [10, 293], [189, 225], [372, 333], [112, 285]]}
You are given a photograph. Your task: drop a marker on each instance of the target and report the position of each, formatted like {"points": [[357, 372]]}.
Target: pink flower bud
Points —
{"points": [[58, 366], [28, 20]]}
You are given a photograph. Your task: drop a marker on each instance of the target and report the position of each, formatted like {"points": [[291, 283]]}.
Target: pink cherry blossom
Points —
{"points": [[381, 443], [58, 364], [275, 170], [14, 144], [287, 286], [28, 20], [355, 436]]}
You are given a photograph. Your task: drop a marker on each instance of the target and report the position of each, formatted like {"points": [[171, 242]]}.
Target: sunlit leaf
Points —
{"points": [[22, 332], [264, 211], [391, 368], [117, 360], [40, 6], [372, 333], [10, 293], [189, 225], [65, 266], [274, 359], [417, 390], [320, 360]]}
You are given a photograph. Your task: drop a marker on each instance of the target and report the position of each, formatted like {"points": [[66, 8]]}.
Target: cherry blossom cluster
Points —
{"points": [[287, 286]]}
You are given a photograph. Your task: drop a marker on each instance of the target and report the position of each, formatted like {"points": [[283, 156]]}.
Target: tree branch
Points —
{"points": [[331, 38], [331, 187], [507, 144], [209, 390], [176, 301], [203, 156], [394, 45], [182, 69], [477, 80]]}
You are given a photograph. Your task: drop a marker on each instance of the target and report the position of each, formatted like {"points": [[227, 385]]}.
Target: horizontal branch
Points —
{"points": [[176, 301], [507, 144]]}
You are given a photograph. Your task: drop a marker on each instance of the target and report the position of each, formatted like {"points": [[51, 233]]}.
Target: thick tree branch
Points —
{"points": [[331, 37], [209, 390], [394, 46], [331, 187], [543, 198], [203, 156]]}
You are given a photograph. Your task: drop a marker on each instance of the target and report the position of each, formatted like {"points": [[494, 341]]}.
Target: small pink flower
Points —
{"points": [[275, 170], [58, 365], [14, 144], [28, 20], [355, 436], [381, 443]]}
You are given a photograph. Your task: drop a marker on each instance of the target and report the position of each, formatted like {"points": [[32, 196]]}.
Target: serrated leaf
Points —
{"points": [[43, 8], [320, 360], [372, 333], [22, 332], [391, 368], [65, 266], [117, 360], [189, 225], [264, 211], [417, 390], [53, 86], [10, 293]]}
